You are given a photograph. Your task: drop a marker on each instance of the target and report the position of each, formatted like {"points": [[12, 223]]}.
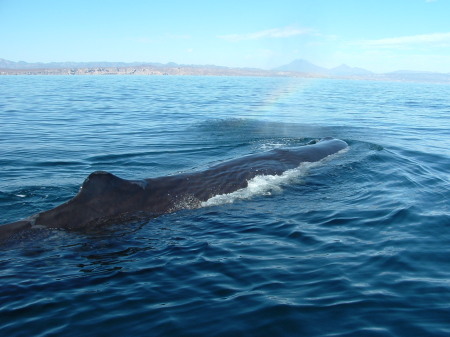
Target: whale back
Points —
{"points": [[105, 198], [102, 183]]}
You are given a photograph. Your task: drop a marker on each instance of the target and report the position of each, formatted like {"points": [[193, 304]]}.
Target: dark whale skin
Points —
{"points": [[105, 198]]}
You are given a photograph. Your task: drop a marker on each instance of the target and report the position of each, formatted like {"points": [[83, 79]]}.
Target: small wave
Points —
{"points": [[52, 163]]}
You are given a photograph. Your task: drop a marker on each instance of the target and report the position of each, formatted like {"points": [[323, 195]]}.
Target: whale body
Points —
{"points": [[105, 198]]}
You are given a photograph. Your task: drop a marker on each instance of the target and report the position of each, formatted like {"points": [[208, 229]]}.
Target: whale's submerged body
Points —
{"points": [[104, 197]]}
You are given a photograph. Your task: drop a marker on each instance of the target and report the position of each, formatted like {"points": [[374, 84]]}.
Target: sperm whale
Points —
{"points": [[105, 198]]}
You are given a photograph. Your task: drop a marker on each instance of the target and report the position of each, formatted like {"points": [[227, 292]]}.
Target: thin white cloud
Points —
{"points": [[435, 39], [268, 33]]}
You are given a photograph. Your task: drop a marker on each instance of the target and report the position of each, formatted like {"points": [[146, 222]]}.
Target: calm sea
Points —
{"points": [[358, 245]]}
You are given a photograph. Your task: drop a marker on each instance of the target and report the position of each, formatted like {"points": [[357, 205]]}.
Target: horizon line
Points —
{"points": [[171, 63]]}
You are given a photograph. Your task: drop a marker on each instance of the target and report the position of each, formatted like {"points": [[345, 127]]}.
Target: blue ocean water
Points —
{"points": [[358, 245]]}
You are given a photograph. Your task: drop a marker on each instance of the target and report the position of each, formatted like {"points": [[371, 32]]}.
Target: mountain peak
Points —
{"points": [[345, 70], [302, 66]]}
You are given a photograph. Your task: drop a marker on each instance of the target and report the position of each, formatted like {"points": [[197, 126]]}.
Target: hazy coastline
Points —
{"points": [[173, 69]]}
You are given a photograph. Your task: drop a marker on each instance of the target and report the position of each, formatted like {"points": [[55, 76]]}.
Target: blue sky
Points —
{"points": [[379, 35]]}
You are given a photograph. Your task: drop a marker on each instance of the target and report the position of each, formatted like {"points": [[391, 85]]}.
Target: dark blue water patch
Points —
{"points": [[221, 275], [60, 163]]}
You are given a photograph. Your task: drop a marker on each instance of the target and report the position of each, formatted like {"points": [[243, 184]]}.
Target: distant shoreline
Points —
{"points": [[179, 70], [155, 70]]}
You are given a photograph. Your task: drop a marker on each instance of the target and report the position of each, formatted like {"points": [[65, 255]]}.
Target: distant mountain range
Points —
{"points": [[303, 66], [344, 71], [6, 64], [298, 68]]}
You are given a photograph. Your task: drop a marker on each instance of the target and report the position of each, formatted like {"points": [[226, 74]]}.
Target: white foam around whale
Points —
{"points": [[261, 185], [267, 184]]}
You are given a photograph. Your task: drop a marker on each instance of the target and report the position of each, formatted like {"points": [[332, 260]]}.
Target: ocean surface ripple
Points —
{"points": [[357, 245]]}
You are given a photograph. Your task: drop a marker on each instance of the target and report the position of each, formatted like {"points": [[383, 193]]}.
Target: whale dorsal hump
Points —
{"points": [[101, 182]]}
